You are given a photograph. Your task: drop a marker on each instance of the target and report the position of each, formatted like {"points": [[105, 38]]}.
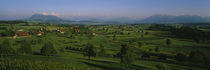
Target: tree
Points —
{"points": [[114, 37], [102, 50], [89, 51], [5, 48], [142, 35], [168, 42], [68, 34], [197, 57], [48, 49], [145, 55], [156, 49], [196, 40], [140, 44], [180, 57], [25, 48], [62, 49], [129, 33], [162, 67], [8, 32], [146, 33], [191, 33], [162, 56], [126, 55]]}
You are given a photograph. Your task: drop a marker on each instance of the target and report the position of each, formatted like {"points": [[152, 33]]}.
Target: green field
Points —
{"points": [[111, 37]]}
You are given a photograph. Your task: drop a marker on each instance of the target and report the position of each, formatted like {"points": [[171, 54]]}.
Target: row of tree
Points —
{"points": [[191, 33], [128, 54], [6, 49], [184, 32]]}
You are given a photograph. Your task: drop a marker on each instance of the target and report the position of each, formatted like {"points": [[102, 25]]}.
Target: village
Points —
{"points": [[21, 32]]}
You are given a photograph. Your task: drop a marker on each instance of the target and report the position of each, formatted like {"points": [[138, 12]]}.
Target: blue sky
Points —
{"points": [[18, 9]]}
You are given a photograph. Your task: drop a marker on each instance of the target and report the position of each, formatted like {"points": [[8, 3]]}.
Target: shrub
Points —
{"points": [[48, 49], [197, 57], [102, 51], [145, 55], [162, 67], [162, 56], [140, 44], [62, 49], [168, 42], [127, 56], [146, 33], [156, 49], [180, 57], [9, 32], [89, 51], [5, 48], [25, 48]]}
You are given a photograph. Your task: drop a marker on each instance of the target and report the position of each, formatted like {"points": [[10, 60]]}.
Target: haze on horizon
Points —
{"points": [[19, 9]]}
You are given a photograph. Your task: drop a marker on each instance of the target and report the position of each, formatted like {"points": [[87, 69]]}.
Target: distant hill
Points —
{"points": [[175, 19], [39, 18], [150, 19]]}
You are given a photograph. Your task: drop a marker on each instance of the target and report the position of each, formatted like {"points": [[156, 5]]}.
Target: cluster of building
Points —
{"points": [[19, 33]]}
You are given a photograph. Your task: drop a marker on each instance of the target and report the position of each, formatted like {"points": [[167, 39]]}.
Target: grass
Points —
{"points": [[76, 59]]}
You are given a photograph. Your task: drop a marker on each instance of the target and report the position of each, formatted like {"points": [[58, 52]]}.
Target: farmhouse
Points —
{"points": [[62, 32], [40, 33], [20, 30], [93, 33], [77, 30], [20, 34]]}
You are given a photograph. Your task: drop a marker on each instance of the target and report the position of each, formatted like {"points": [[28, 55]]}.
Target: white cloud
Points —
{"points": [[52, 13]]}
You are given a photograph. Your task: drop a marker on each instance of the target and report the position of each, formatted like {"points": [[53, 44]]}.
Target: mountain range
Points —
{"points": [[175, 19], [39, 18]]}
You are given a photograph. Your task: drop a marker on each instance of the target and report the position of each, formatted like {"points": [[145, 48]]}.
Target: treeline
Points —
{"points": [[8, 32], [48, 49], [161, 27], [194, 58], [90, 50], [74, 48], [13, 22], [191, 33], [184, 32], [6, 49]]}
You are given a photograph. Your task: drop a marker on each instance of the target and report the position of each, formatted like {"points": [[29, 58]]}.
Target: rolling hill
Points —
{"points": [[175, 19], [39, 18]]}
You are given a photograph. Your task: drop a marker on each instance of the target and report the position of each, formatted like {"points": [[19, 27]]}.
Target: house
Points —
{"points": [[71, 27], [62, 32], [20, 34], [20, 30], [93, 33], [40, 33], [33, 32], [77, 30], [41, 29], [57, 30]]}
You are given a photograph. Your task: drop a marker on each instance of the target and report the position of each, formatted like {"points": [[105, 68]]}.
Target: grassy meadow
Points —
{"points": [[70, 47]]}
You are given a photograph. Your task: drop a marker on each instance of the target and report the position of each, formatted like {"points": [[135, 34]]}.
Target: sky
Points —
{"points": [[19, 9]]}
